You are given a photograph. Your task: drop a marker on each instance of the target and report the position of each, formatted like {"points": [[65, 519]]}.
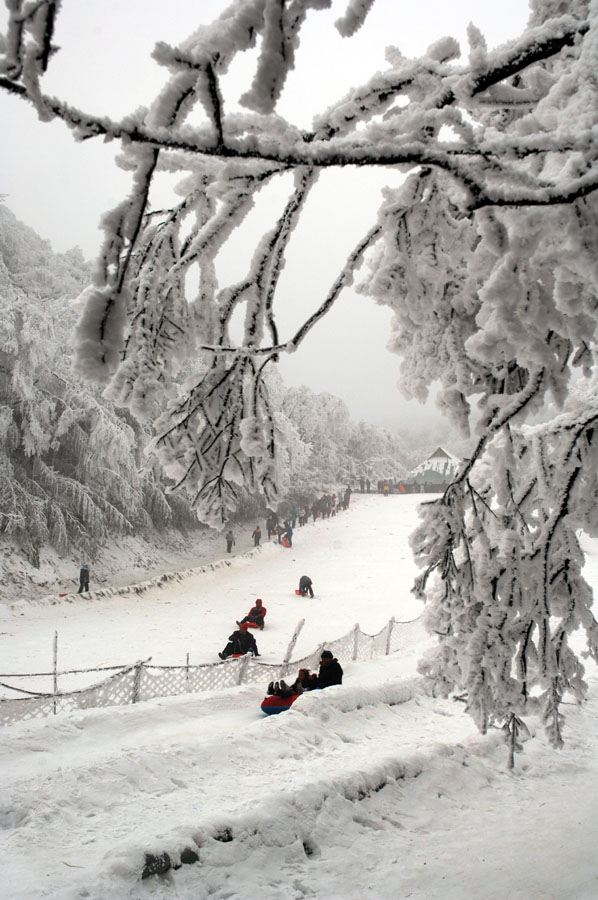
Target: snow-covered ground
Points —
{"points": [[372, 789]]}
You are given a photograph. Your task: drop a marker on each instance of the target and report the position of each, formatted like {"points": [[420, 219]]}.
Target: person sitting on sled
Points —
{"points": [[306, 586], [256, 615], [240, 642], [305, 681], [330, 670]]}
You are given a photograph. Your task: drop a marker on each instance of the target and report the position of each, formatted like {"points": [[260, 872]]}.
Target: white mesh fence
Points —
{"points": [[143, 681]]}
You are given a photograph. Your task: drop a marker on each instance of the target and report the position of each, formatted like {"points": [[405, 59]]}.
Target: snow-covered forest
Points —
{"points": [[75, 475]]}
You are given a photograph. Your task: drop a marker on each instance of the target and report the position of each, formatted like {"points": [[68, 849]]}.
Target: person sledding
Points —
{"points": [[255, 617], [240, 642], [330, 670], [305, 681], [281, 695], [305, 586]]}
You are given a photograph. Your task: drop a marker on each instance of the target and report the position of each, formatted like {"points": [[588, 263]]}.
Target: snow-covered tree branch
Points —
{"points": [[485, 253]]}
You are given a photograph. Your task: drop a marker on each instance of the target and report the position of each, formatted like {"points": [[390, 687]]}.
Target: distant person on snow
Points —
{"points": [[306, 586], [256, 614], [257, 536], [240, 642], [230, 540], [330, 670], [83, 579], [288, 533]]}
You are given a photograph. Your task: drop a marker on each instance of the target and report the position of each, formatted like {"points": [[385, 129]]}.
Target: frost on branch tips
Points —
{"points": [[485, 254]]}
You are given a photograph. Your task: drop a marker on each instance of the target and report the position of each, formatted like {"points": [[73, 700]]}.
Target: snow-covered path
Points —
{"points": [[373, 789], [359, 561]]}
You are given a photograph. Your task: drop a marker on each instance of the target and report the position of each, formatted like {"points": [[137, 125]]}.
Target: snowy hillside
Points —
{"points": [[370, 789]]}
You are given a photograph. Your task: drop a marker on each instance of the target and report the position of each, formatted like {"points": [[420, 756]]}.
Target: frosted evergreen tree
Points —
{"points": [[485, 253], [71, 466]]}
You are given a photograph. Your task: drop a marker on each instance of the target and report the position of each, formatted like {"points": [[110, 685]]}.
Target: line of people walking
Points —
{"points": [[324, 507]]}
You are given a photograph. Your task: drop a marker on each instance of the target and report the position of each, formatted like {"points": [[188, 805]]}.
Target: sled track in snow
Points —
{"points": [[302, 808]]}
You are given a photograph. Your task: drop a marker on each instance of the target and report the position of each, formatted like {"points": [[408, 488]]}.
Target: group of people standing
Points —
{"points": [[387, 486]]}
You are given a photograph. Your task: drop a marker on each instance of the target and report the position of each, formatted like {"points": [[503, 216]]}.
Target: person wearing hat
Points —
{"points": [[240, 642], [330, 670], [83, 579], [255, 616]]}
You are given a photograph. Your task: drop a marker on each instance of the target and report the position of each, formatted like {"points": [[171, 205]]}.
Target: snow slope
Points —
{"points": [[372, 789]]}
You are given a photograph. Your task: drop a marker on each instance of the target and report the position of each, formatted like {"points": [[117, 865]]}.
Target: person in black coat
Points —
{"points": [[305, 586], [330, 670], [239, 642], [83, 579]]}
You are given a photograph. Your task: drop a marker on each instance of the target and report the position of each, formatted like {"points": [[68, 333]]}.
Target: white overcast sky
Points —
{"points": [[61, 188]]}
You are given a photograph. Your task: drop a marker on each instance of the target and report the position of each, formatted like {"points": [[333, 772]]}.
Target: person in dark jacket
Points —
{"points": [[230, 540], [83, 579], [239, 642], [306, 586], [330, 670], [257, 536], [305, 681], [256, 614]]}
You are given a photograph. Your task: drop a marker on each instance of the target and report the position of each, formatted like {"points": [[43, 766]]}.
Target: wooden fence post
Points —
{"points": [[55, 668], [355, 640], [391, 623], [243, 668], [292, 643], [136, 681]]}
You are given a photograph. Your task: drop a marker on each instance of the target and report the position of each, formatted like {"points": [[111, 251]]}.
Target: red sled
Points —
{"points": [[63, 595], [285, 542], [250, 625], [298, 592], [273, 705]]}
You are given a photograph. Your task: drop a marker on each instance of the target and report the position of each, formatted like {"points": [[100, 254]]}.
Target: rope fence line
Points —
{"points": [[142, 680]]}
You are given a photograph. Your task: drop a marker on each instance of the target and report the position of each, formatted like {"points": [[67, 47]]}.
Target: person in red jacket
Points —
{"points": [[256, 615]]}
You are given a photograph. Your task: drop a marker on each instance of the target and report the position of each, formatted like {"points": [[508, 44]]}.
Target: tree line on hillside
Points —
{"points": [[74, 472]]}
